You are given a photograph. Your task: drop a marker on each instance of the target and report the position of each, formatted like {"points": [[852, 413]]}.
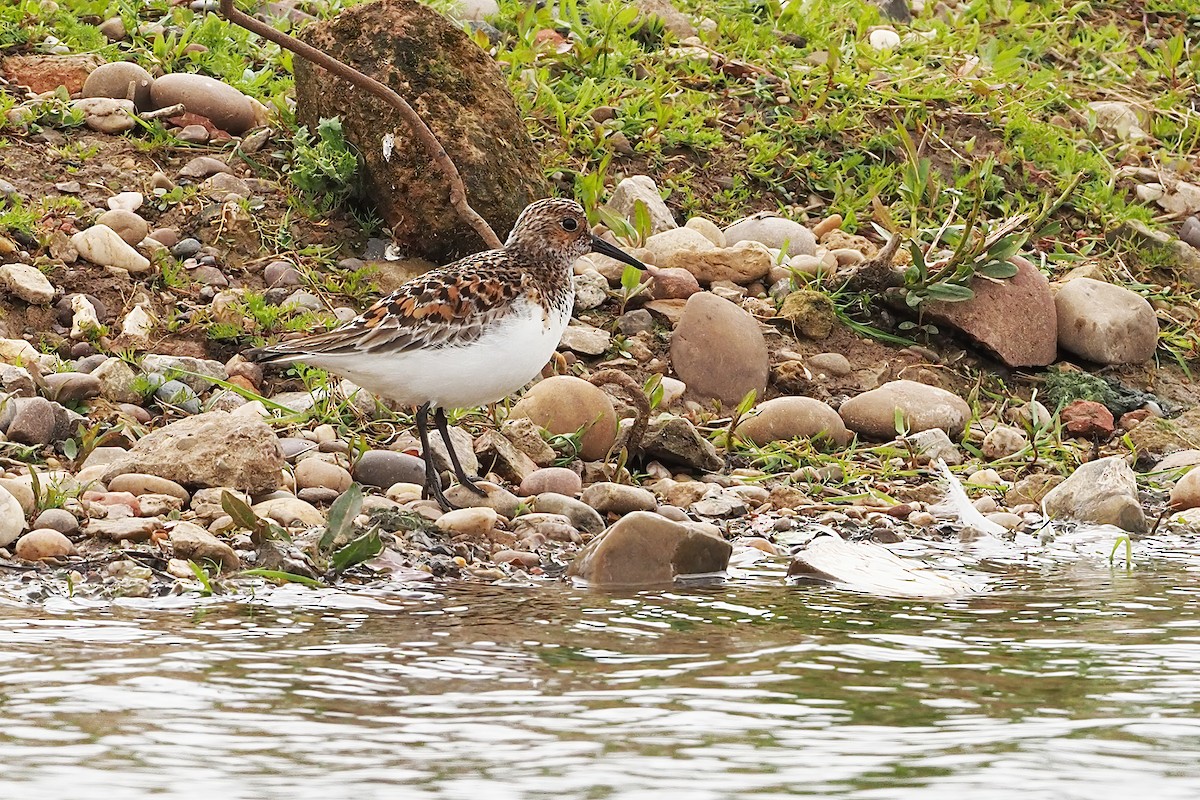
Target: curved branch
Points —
{"points": [[458, 193]]}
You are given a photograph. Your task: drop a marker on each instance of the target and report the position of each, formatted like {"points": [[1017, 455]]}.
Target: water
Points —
{"points": [[1064, 681]]}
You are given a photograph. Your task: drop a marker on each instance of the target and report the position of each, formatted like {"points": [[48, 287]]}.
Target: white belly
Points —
{"points": [[506, 357]]}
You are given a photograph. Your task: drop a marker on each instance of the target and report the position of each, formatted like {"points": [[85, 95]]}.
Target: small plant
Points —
{"points": [[324, 167]]}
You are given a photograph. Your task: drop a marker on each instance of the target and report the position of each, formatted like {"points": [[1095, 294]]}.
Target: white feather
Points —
{"points": [[956, 504]]}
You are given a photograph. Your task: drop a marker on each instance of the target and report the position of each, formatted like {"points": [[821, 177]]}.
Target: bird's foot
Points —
{"points": [[433, 490], [469, 482]]}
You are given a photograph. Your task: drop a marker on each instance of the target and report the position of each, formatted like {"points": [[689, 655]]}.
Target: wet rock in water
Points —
{"points": [[316, 473], [1185, 493], [129, 226], [787, 418], [675, 440], [42, 544], [462, 97], [581, 515], [27, 283], [102, 245], [12, 518], [718, 350], [932, 445], [497, 454], [559, 480], [1105, 323], [383, 468], [105, 115], [773, 231], [1103, 491], [1003, 441], [120, 80], [71, 387], [564, 404], [618, 498], [629, 191], [473, 522], [190, 541], [1088, 419], [58, 519], [643, 548], [871, 568], [873, 413], [225, 106], [1015, 319], [213, 449]]}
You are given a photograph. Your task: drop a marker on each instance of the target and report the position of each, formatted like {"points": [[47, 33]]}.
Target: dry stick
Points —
{"points": [[458, 194]]}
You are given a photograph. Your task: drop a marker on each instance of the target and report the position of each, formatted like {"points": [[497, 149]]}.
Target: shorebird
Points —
{"points": [[464, 335]]}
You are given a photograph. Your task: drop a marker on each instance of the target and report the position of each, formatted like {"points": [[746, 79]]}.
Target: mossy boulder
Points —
{"points": [[457, 89]]}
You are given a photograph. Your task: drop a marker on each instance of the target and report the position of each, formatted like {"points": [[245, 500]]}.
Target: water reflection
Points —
{"points": [[1055, 684]]}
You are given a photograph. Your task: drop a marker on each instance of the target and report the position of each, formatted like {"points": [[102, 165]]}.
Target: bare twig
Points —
{"points": [[437, 153], [168, 111]]}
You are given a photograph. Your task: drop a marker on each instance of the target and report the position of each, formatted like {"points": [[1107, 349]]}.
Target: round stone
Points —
{"points": [[564, 404], [787, 418], [384, 468], [559, 480], [316, 473], [122, 80], [58, 519], [42, 544], [129, 226], [229, 109], [468, 521]]}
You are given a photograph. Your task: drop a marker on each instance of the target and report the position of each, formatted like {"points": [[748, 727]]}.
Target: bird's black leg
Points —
{"points": [[433, 481], [439, 419]]}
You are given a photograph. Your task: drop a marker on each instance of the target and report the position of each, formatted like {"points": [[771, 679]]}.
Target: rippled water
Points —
{"points": [[1077, 681]]}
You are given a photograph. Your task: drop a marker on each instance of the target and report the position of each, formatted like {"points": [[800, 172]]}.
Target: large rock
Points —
{"points": [[218, 448], [563, 404], [460, 93], [718, 350], [190, 541], [1103, 491], [1105, 323], [785, 418], [644, 548], [873, 413], [121, 80], [27, 283], [1015, 318], [45, 73]]}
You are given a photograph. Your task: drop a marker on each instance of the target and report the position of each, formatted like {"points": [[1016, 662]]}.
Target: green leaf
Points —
{"points": [[341, 517], [283, 577], [641, 220], [631, 278], [747, 403], [201, 575], [918, 261], [366, 546], [998, 269], [1006, 248], [948, 292], [899, 423], [239, 512]]}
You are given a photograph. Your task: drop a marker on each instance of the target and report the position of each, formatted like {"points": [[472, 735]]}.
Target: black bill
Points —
{"points": [[612, 251]]}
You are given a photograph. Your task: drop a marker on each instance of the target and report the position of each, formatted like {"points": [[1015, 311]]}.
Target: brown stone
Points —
{"points": [[1015, 318], [47, 73], [497, 454], [1088, 419], [646, 548], [718, 350], [564, 404], [458, 90], [786, 418]]}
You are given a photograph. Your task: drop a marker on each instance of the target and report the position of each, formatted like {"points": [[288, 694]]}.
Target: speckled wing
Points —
{"points": [[443, 308]]}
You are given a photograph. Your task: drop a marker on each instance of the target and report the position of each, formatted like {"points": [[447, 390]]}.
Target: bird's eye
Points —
{"points": [[570, 224]]}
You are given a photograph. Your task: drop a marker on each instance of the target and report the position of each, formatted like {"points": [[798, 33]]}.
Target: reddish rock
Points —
{"points": [[1131, 418], [47, 73], [1015, 318], [1088, 419]]}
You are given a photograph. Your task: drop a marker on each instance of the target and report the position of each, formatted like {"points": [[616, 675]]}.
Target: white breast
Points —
{"points": [[507, 356]]}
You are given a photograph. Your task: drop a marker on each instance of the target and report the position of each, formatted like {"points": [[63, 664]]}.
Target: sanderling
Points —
{"points": [[464, 335]]}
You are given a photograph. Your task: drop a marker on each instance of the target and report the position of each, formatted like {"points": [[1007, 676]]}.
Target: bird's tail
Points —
{"points": [[272, 354]]}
